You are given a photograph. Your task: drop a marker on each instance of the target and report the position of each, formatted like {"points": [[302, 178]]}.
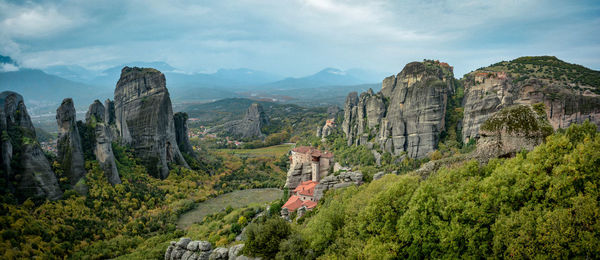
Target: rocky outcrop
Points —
{"points": [[487, 92], [298, 173], [187, 249], [181, 133], [25, 169], [407, 115], [512, 130], [96, 119], [144, 119], [70, 153], [342, 180], [250, 126], [327, 129]]}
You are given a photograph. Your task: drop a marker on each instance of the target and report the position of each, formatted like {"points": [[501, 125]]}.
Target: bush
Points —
{"points": [[263, 239]]}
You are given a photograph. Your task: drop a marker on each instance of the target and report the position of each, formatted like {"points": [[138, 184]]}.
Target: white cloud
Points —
{"points": [[295, 37], [32, 22], [5, 67]]}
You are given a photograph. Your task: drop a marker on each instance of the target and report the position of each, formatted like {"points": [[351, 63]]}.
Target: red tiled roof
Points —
{"points": [[309, 204], [306, 188], [294, 203]]}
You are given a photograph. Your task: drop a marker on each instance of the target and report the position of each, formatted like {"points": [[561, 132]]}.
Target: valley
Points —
{"points": [[500, 163]]}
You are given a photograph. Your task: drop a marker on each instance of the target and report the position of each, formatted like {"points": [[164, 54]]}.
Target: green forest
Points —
{"points": [[538, 204]]}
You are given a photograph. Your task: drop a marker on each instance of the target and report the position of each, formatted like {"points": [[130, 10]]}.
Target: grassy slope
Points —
{"points": [[271, 151], [235, 199]]}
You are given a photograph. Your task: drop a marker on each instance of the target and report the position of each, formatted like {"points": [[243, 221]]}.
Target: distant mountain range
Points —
{"points": [[326, 77], [46, 88]]}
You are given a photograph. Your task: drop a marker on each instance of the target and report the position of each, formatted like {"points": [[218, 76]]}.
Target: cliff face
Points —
{"points": [[528, 81], [70, 153], [181, 133], [144, 119], [407, 115], [511, 130], [250, 126], [22, 160], [96, 119]]}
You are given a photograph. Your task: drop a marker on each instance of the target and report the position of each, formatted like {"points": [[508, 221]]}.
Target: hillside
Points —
{"points": [[549, 68], [229, 109]]}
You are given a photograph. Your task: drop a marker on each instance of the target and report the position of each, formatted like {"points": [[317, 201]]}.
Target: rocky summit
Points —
{"points": [[407, 115], [25, 169], [70, 153], [144, 119], [250, 126]]}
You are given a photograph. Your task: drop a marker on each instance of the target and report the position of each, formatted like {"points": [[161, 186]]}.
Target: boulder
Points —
{"points": [[510, 131], [70, 153], [342, 180], [235, 251], [378, 175], [144, 119], [220, 253], [187, 249], [183, 242]]}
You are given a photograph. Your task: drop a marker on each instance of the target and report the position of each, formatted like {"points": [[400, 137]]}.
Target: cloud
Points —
{"points": [[35, 21], [299, 36], [5, 67]]}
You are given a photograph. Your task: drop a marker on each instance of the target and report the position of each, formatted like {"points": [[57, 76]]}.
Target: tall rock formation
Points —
{"points": [[70, 153], [96, 119], [407, 115], [144, 119], [250, 126], [531, 80], [181, 133], [25, 169]]}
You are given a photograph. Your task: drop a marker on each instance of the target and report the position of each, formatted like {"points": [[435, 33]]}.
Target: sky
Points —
{"points": [[297, 37]]}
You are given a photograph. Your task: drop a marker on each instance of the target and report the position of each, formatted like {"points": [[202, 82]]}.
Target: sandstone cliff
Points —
{"points": [[250, 126], [144, 119], [96, 119], [25, 169], [407, 115], [181, 133], [531, 80], [70, 153]]}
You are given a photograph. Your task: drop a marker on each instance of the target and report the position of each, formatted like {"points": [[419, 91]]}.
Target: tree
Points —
{"points": [[263, 239]]}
